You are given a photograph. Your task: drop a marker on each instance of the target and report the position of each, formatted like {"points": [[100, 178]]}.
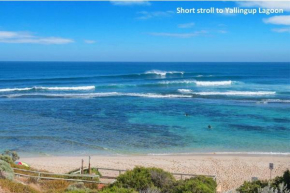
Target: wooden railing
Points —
{"points": [[181, 175], [45, 175], [53, 176]]}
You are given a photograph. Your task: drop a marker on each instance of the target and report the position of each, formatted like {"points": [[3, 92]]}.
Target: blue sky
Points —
{"points": [[142, 31]]}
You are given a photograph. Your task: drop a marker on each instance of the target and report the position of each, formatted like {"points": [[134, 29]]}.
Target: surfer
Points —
{"points": [[186, 114]]}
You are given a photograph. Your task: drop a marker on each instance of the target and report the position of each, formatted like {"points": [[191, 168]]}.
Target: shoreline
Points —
{"points": [[231, 170], [244, 154]]}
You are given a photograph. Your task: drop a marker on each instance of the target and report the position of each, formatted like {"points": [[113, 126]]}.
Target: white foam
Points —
{"points": [[274, 101], [163, 73], [213, 83], [186, 91], [199, 83], [153, 95], [177, 82], [14, 89], [66, 88], [237, 93], [48, 88], [96, 95]]}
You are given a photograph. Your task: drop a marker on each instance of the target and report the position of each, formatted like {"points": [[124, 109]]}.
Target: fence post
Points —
{"points": [[89, 164], [82, 168], [38, 176]]}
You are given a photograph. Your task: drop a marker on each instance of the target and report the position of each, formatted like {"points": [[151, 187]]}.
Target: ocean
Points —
{"points": [[107, 108]]}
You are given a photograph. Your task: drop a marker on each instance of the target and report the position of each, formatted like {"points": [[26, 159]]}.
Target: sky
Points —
{"points": [[142, 31]]}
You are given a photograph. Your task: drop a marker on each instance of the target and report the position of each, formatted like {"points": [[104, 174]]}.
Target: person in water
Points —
{"points": [[209, 126], [186, 114]]}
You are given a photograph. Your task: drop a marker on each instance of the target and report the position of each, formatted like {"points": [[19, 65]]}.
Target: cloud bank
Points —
{"points": [[179, 35], [28, 38], [278, 20]]}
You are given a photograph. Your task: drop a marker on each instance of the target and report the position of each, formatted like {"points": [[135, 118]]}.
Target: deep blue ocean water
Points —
{"points": [[78, 108]]}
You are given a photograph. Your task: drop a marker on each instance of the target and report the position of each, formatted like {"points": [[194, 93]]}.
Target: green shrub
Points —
{"points": [[151, 190], [14, 156], [200, 184], [6, 158], [252, 187], [262, 186], [77, 187], [155, 180], [270, 189], [6, 171], [161, 179], [139, 179], [115, 189], [286, 179]]}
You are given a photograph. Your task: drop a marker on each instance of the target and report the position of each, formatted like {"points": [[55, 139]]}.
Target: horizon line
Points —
{"points": [[152, 61]]}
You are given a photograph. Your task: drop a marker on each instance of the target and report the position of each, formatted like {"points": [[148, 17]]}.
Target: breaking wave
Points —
{"points": [[185, 91], [213, 83], [265, 101], [228, 93], [237, 93], [163, 73], [97, 95], [199, 83], [14, 89], [49, 88]]}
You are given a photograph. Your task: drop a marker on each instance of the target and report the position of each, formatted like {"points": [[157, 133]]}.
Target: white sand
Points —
{"points": [[231, 170]]}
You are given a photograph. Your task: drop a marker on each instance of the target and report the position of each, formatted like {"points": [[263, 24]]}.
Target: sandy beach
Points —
{"points": [[230, 170]]}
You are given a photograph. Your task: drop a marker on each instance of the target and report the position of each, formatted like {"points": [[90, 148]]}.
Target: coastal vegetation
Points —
{"points": [[138, 180], [280, 184], [155, 180]]}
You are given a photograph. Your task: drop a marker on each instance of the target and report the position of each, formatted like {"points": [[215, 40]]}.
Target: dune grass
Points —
{"points": [[15, 187]]}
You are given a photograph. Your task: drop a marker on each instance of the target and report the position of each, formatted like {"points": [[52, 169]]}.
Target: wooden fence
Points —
{"points": [[76, 174], [53, 176], [180, 175]]}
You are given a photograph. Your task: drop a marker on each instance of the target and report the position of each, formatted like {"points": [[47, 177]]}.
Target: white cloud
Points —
{"points": [[278, 20], [179, 35], [25, 37], [131, 3], [267, 4], [148, 15], [222, 31], [186, 25], [89, 41], [282, 30], [11, 34]]}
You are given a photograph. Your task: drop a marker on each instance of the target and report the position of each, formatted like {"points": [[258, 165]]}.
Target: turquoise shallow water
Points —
{"points": [[139, 108]]}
